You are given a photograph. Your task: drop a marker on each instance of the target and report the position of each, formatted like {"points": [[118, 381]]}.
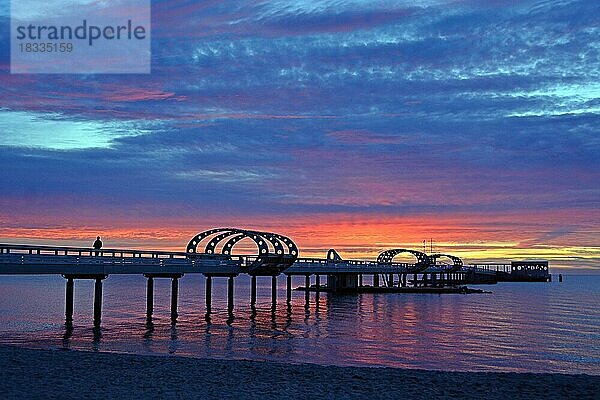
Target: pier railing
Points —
{"points": [[507, 268], [321, 265], [60, 259], [86, 251], [79, 256]]}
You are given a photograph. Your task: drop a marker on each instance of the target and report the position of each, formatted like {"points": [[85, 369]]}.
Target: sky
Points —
{"points": [[355, 125]]}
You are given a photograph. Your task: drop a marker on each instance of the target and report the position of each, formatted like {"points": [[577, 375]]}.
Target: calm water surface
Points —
{"points": [[533, 327]]}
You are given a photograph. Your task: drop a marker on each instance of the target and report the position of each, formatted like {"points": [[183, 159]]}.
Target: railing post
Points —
{"points": [[376, 280]]}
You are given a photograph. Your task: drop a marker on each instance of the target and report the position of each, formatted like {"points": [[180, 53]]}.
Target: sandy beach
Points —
{"points": [[54, 374]]}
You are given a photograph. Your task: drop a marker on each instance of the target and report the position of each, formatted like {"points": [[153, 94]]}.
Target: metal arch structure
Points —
{"points": [[275, 252], [457, 262], [423, 260], [263, 247], [192, 247]]}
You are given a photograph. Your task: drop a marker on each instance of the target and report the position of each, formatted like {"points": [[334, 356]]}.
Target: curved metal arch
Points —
{"points": [[195, 241], [333, 255], [277, 246], [212, 244], [267, 238], [423, 261], [228, 246], [271, 259], [457, 262], [288, 244], [282, 245], [263, 247], [224, 233]]}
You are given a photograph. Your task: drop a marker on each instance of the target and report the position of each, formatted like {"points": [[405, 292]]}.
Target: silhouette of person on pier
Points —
{"points": [[97, 245]]}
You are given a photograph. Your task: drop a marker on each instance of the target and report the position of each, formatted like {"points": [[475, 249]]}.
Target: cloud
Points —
{"points": [[286, 109], [54, 131]]}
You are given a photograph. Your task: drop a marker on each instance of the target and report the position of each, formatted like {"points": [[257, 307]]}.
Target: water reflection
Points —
{"points": [[174, 344], [97, 336], [149, 332], [66, 342], [230, 318], [520, 327]]}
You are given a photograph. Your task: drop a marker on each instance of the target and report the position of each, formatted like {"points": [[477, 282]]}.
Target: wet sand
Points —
{"points": [[60, 374]]}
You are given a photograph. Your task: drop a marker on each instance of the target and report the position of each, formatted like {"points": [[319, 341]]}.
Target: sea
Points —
{"points": [[516, 327]]}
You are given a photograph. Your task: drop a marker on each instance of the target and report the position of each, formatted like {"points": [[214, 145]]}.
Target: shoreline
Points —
{"points": [[37, 373]]}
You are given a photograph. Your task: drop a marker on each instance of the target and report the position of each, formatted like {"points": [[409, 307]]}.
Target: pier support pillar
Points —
{"points": [[376, 280], [318, 282], [69, 301], [391, 280], [274, 291], [360, 283], [208, 293], [403, 280], [253, 291], [307, 286], [415, 280], [98, 302], [174, 297], [289, 289], [230, 294], [150, 297]]}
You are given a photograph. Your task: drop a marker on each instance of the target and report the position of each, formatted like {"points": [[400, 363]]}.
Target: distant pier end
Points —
{"points": [[530, 270]]}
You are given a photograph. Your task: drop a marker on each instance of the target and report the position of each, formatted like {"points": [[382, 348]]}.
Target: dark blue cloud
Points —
{"points": [[307, 107]]}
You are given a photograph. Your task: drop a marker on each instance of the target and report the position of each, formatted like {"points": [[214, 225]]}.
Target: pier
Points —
{"points": [[211, 253]]}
